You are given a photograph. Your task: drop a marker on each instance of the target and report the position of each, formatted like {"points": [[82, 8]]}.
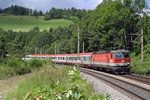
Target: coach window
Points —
{"points": [[84, 58], [75, 58], [79, 58]]}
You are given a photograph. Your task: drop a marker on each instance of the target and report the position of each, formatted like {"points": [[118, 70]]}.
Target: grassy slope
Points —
{"points": [[43, 77], [25, 23]]}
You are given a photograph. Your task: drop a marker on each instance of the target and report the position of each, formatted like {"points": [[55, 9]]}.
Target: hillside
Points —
{"points": [[25, 23]]}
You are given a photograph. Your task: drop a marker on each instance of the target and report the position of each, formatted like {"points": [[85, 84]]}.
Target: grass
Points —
{"points": [[51, 82], [10, 84], [137, 67], [25, 85], [25, 23], [38, 78]]}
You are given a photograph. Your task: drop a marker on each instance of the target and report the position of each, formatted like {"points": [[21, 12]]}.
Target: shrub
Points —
{"points": [[35, 63], [16, 66], [14, 62], [23, 70]]}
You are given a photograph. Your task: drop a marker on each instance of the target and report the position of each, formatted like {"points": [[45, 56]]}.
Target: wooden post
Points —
{"points": [[40, 52], [55, 52], [78, 45], [35, 51], [125, 46], [83, 47], [141, 46]]}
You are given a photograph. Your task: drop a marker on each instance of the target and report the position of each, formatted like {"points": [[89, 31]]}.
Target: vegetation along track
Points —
{"points": [[138, 78], [141, 92]]}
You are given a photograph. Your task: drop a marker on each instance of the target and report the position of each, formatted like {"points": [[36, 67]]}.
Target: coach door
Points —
{"points": [[81, 59]]}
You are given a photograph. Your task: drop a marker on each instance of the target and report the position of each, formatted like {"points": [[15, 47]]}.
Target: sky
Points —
{"points": [[148, 1], [46, 5]]}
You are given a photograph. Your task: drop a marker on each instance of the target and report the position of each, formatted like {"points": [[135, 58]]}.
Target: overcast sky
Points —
{"points": [[45, 5]]}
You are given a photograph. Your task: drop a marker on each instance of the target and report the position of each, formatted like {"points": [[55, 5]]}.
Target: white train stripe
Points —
{"points": [[110, 64], [94, 63]]}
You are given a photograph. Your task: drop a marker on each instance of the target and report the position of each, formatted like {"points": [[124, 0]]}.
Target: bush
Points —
{"points": [[16, 66], [35, 63], [14, 62], [23, 70]]}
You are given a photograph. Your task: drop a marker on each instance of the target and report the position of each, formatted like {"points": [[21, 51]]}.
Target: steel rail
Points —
{"points": [[137, 91]]}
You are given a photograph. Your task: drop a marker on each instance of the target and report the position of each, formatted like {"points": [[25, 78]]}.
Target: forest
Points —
{"points": [[110, 24], [53, 13]]}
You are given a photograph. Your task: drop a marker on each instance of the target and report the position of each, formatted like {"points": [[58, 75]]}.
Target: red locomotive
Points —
{"points": [[117, 61]]}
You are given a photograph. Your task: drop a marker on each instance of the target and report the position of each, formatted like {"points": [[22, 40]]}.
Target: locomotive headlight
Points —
{"points": [[123, 61], [111, 61]]}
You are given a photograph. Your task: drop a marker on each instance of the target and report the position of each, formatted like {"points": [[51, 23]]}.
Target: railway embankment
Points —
{"points": [[101, 87], [119, 87]]}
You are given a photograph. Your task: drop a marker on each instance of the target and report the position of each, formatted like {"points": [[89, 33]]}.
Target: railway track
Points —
{"points": [[137, 89], [138, 78]]}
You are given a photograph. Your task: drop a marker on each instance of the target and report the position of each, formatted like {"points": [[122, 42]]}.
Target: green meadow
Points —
{"points": [[25, 23]]}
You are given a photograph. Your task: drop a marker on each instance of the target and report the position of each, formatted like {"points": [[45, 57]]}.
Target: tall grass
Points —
{"points": [[44, 77], [55, 84]]}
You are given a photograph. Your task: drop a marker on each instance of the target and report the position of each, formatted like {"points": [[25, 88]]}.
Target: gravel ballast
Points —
{"points": [[101, 88]]}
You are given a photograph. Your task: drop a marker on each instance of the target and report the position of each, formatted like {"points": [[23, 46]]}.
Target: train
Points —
{"points": [[115, 61]]}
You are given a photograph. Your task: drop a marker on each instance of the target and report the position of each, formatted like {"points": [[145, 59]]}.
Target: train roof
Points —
{"points": [[45, 55], [110, 51], [81, 54]]}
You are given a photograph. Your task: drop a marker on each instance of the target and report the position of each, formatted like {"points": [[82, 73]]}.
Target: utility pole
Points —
{"points": [[55, 53], [58, 50], [83, 47], [133, 40], [35, 51], [141, 46], [41, 52], [125, 46], [78, 45]]}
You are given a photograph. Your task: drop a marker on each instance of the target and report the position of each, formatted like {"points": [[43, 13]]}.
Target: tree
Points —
{"points": [[35, 13], [1, 11], [40, 13], [110, 23], [2, 47]]}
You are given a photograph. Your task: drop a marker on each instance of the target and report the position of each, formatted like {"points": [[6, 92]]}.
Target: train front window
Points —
{"points": [[126, 54], [121, 55], [118, 55]]}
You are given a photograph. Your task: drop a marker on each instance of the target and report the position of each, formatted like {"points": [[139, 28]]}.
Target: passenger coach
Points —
{"points": [[117, 61]]}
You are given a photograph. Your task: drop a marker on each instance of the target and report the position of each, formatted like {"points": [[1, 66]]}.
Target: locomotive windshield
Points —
{"points": [[126, 54], [121, 55]]}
